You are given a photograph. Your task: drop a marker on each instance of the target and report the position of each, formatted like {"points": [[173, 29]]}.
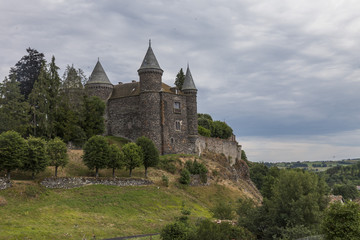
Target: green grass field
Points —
{"points": [[33, 212]]}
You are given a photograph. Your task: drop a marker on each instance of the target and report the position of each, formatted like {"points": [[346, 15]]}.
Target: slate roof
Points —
{"points": [[132, 89], [98, 75], [188, 82], [150, 61]]}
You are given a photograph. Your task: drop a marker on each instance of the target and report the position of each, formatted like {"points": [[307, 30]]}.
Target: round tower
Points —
{"points": [[190, 92], [99, 84], [150, 75]]}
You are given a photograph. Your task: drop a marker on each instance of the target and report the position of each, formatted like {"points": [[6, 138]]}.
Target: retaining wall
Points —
{"points": [[67, 182], [231, 149]]}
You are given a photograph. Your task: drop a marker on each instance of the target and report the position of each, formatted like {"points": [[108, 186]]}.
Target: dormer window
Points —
{"points": [[177, 107]]}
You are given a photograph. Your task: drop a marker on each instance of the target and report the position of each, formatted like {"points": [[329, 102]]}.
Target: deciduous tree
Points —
{"points": [[133, 156], [57, 152], [96, 153], [150, 154], [13, 150], [116, 158], [36, 158], [180, 78]]}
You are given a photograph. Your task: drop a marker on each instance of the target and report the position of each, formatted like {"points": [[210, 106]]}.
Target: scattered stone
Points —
{"points": [[73, 182], [4, 183]]}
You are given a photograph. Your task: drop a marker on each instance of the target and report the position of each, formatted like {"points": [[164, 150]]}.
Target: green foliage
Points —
{"points": [[221, 130], [93, 116], [165, 180], [150, 153], [176, 231], [343, 175], [204, 132], [167, 163], [180, 78], [116, 158], [14, 110], [244, 157], [195, 167], [224, 231], [133, 156], [293, 204], [96, 153], [27, 70], [13, 150], [348, 191], [223, 211], [36, 158], [184, 177], [57, 153], [217, 129], [342, 221]]}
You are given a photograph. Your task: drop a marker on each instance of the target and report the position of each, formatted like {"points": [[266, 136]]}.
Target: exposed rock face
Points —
{"points": [[241, 170], [67, 182], [4, 183]]}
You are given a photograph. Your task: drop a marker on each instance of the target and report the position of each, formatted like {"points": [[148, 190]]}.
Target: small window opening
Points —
{"points": [[177, 125], [177, 107]]}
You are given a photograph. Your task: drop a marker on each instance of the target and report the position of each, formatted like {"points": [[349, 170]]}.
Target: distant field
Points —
{"points": [[315, 166]]}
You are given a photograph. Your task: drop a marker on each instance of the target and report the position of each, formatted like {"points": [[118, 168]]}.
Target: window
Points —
{"points": [[177, 125], [177, 107]]}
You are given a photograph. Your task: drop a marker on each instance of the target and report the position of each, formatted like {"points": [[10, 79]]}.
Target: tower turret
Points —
{"points": [[190, 92], [99, 84], [150, 75]]}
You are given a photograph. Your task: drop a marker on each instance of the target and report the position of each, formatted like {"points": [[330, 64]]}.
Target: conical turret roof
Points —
{"points": [[98, 75], [188, 82], [150, 61]]}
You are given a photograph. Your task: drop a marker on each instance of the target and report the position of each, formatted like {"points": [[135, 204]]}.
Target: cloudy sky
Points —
{"points": [[284, 74]]}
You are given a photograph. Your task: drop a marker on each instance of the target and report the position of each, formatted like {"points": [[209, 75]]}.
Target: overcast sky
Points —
{"points": [[284, 74]]}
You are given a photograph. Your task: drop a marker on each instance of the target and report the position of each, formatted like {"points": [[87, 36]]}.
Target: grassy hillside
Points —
{"points": [[30, 211]]}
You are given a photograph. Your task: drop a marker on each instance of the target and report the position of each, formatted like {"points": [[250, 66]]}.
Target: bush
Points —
{"points": [[165, 180], [203, 131], [176, 231], [184, 177], [223, 211], [167, 164]]}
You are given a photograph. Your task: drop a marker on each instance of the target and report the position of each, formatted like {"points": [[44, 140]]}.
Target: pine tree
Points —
{"points": [[180, 78], [27, 70], [14, 110]]}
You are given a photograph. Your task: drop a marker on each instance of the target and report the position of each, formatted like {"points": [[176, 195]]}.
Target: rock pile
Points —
{"points": [[73, 182]]}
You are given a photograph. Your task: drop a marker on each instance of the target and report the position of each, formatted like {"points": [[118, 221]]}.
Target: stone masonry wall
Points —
{"points": [[231, 149], [67, 182]]}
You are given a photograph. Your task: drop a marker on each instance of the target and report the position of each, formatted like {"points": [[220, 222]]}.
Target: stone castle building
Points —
{"points": [[149, 107]]}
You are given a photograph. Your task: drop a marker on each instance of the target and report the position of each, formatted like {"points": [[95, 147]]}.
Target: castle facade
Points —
{"points": [[149, 107]]}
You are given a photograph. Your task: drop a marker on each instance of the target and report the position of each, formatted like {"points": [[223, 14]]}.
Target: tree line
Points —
{"points": [[35, 154], [36, 101]]}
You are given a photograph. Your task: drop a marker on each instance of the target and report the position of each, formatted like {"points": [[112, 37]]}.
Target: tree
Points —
{"points": [[96, 153], [342, 221], [57, 152], [348, 191], [36, 158], [116, 158], [244, 157], [12, 151], [222, 211], [204, 132], [185, 177], [14, 110], [220, 130], [180, 78], [149, 152], [93, 116], [27, 70], [132, 155]]}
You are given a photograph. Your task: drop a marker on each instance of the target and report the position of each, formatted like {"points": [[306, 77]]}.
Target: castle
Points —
{"points": [[149, 107]]}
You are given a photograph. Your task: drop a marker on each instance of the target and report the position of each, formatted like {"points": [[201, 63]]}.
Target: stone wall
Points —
{"points": [[4, 183], [231, 149], [68, 182]]}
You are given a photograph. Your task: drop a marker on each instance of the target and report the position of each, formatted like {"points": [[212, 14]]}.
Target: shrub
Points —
{"points": [[167, 164], [203, 131], [184, 177], [165, 180], [223, 211]]}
